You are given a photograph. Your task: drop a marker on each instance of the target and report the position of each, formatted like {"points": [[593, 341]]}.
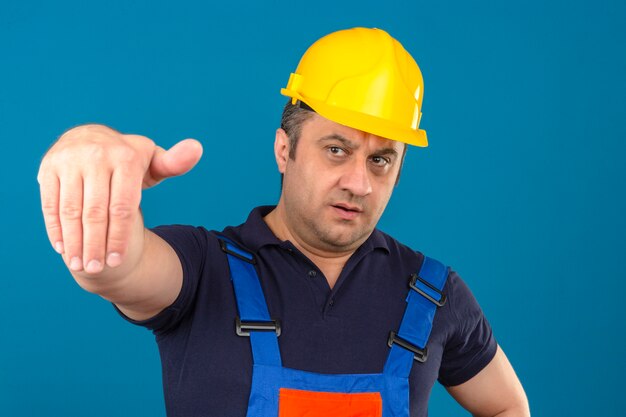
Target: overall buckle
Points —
{"points": [[419, 355], [413, 284], [243, 328], [226, 249]]}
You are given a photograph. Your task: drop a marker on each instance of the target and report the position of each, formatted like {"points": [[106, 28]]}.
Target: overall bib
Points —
{"points": [[283, 392]]}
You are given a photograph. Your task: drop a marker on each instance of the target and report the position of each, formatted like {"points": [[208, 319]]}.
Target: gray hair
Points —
{"points": [[291, 122]]}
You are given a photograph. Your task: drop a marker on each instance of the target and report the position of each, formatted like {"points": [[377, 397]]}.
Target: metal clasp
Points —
{"points": [[243, 328], [419, 355], [413, 284], [226, 249]]}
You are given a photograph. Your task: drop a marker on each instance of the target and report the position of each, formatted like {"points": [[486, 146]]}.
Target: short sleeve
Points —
{"points": [[190, 244], [471, 344]]}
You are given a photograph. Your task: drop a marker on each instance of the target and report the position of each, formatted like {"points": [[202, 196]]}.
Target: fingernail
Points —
{"points": [[114, 259], [76, 264], [58, 247], [93, 266]]}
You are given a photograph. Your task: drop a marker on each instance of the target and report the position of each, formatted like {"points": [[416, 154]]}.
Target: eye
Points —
{"points": [[336, 150], [380, 161]]}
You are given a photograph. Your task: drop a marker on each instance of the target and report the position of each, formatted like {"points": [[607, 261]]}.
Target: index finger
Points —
{"points": [[123, 208]]}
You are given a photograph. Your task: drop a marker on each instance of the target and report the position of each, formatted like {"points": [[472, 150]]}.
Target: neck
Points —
{"points": [[330, 262]]}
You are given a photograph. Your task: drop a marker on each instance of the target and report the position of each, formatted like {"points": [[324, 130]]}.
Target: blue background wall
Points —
{"points": [[522, 189]]}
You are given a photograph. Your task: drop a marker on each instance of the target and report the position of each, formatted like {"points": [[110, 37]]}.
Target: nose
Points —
{"points": [[356, 178]]}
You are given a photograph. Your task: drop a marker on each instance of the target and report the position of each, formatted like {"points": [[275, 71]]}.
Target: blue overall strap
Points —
{"points": [[253, 312], [424, 297]]}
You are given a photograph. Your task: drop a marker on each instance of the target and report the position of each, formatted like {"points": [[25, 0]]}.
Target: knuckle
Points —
{"points": [[76, 140], [126, 155], [50, 208], [95, 213], [121, 211], [53, 227], [89, 143], [89, 130], [95, 152], [51, 162], [71, 212], [140, 146], [76, 131], [93, 248], [117, 244], [47, 168], [140, 140]]}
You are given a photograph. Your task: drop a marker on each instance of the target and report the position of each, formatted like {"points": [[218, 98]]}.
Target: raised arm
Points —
{"points": [[91, 181]]}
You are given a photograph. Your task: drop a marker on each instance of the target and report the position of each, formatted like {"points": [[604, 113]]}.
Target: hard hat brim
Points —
{"points": [[362, 121]]}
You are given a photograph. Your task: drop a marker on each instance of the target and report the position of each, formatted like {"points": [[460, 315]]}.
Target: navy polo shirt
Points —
{"points": [[207, 368]]}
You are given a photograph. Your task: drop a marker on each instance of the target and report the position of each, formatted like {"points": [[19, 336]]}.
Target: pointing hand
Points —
{"points": [[91, 182]]}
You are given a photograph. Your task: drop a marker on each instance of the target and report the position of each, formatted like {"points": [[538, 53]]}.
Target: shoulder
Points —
{"points": [[184, 237], [461, 301], [194, 245], [180, 231], [399, 253], [195, 240], [469, 343]]}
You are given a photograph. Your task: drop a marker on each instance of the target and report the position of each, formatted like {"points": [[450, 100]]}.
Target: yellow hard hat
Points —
{"points": [[364, 79]]}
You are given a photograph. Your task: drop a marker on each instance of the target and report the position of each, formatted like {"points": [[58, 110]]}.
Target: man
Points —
{"points": [[306, 308]]}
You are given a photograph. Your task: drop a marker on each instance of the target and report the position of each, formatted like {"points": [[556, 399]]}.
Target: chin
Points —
{"points": [[344, 239]]}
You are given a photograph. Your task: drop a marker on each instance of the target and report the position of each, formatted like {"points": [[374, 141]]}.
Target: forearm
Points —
{"points": [[519, 409], [494, 391]]}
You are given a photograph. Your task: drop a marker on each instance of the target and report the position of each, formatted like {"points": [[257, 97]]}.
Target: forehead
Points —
{"points": [[317, 127]]}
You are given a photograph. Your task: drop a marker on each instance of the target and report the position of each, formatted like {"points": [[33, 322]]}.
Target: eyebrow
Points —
{"points": [[351, 145], [335, 136]]}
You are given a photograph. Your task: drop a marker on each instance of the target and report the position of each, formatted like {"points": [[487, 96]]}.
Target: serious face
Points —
{"points": [[338, 185]]}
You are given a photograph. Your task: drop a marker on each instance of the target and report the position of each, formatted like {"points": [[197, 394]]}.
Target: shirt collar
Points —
{"points": [[255, 233]]}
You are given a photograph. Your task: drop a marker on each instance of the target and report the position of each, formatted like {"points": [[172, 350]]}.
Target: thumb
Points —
{"points": [[178, 160]]}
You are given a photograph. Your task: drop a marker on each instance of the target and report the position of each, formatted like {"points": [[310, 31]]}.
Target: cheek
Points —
{"points": [[303, 185], [383, 195], [319, 182]]}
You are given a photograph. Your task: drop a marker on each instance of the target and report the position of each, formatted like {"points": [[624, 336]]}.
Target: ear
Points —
{"points": [[281, 150]]}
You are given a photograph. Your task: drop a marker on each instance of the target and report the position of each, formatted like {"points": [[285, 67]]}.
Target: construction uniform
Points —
{"points": [[208, 366]]}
